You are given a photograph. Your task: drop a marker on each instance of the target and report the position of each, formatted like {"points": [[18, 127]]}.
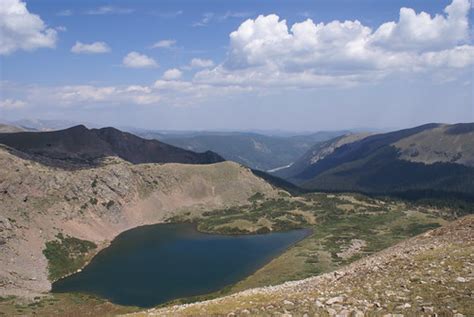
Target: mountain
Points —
{"points": [[257, 151], [84, 209], [433, 160], [316, 153], [7, 128], [44, 125], [81, 145]]}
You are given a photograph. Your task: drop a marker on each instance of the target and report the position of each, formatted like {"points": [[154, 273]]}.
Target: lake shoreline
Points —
{"points": [[194, 231]]}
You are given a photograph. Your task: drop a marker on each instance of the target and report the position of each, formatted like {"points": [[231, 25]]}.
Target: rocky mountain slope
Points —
{"points": [[257, 151], [81, 145], [433, 160], [71, 213], [429, 275]]}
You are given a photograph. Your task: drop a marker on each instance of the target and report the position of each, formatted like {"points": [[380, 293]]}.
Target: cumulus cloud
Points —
{"points": [[201, 63], [11, 104], [93, 48], [164, 44], [22, 30], [422, 32], [266, 51], [137, 60], [172, 74]]}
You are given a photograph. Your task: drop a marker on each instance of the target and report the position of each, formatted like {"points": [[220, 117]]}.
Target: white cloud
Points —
{"points": [[93, 48], [422, 32], [266, 55], [164, 44], [266, 52], [137, 60], [109, 10], [11, 104], [208, 17], [205, 20], [64, 13], [22, 30], [89, 94], [169, 14], [201, 63], [172, 74], [138, 88]]}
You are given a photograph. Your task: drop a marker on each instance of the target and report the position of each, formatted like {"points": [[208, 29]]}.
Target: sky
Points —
{"points": [[300, 65]]}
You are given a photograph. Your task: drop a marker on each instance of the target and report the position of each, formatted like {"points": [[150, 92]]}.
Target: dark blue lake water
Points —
{"points": [[150, 265]]}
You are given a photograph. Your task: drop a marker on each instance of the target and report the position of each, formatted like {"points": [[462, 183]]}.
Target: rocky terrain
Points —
{"points": [[94, 204], [429, 275]]}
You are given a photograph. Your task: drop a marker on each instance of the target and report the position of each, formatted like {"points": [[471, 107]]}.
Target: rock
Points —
{"points": [[245, 312], [331, 312], [404, 306], [358, 313], [428, 309], [461, 280], [344, 313], [335, 300], [318, 304], [288, 303]]}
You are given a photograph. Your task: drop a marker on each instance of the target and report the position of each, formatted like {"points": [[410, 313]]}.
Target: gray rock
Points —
{"points": [[335, 300]]}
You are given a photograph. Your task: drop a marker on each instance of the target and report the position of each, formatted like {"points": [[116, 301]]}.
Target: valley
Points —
{"points": [[61, 210], [248, 158]]}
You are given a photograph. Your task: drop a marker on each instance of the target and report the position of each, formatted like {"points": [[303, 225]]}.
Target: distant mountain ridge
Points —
{"points": [[83, 145], [432, 160], [7, 128], [257, 151]]}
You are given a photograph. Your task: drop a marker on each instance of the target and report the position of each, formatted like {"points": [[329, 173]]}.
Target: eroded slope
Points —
{"points": [[95, 204]]}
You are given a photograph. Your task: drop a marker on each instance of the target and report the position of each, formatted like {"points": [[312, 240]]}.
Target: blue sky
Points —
{"points": [[290, 65]]}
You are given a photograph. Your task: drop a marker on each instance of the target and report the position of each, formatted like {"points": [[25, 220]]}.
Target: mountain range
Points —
{"points": [[431, 160], [82, 145], [257, 151]]}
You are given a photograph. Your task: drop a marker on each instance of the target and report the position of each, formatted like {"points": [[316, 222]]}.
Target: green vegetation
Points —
{"points": [[256, 197], [65, 304], [345, 228], [66, 255]]}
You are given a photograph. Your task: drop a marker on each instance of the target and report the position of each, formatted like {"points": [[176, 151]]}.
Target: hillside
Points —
{"points": [[432, 160], [431, 274], [257, 151], [73, 213], [6, 128], [81, 145], [316, 153]]}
